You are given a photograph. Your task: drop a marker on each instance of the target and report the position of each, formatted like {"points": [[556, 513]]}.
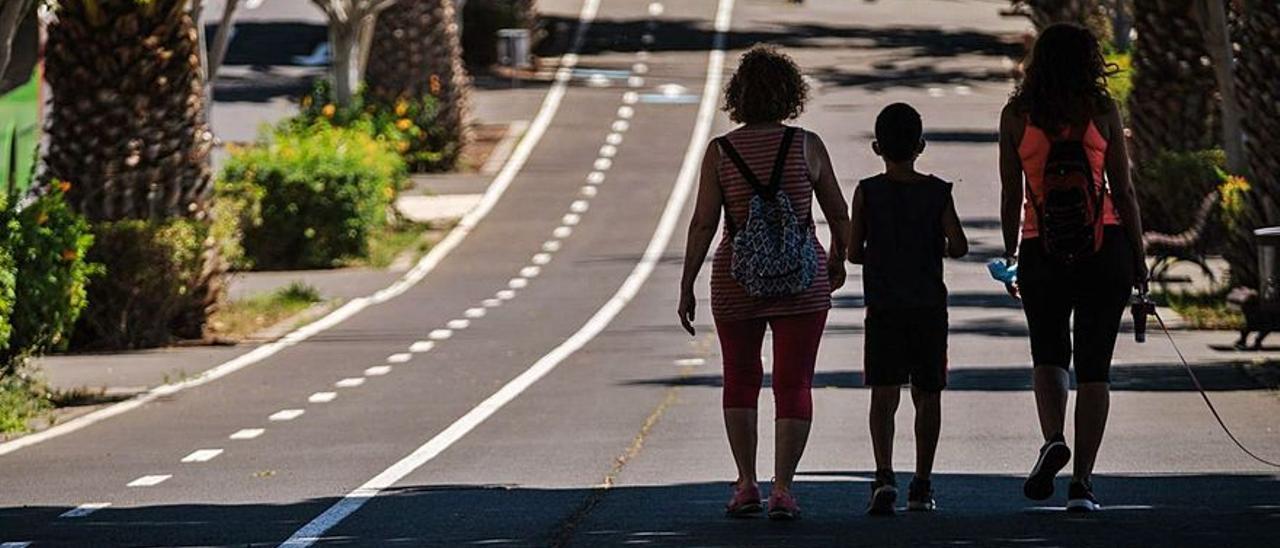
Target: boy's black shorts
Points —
{"points": [[906, 346]]}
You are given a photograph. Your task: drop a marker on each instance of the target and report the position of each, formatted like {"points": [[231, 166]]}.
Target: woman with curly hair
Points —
{"points": [[739, 174], [1081, 252]]}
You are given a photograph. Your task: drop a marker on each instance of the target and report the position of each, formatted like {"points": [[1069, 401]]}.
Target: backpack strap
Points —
{"points": [[780, 161], [742, 166]]}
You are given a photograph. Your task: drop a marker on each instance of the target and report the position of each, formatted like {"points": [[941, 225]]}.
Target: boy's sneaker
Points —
{"points": [[782, 506], [745, 501], [884, 493], [1080, 498], [1054, 454], [920, 496]]}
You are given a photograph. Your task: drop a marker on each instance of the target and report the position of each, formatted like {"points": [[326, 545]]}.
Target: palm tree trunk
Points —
{"points": [[1258, 85]]}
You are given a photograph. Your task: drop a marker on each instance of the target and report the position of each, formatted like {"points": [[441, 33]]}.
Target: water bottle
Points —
{"points": [[1003, 271]]}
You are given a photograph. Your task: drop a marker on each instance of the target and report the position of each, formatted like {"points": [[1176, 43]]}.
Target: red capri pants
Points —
{"points": [[795, 350]]}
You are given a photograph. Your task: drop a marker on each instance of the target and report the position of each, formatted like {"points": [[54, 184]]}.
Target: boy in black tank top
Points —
{"points": [[904, 223]]}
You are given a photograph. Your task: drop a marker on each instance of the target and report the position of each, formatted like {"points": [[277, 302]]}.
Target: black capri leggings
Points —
{"points": [[1096, 290]]}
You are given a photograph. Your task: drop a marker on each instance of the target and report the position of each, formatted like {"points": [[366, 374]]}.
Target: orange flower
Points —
{"points": [[328, 111], [402, 146], [69, 255], [64, 186], [401, 107], [435, 84], [404, 124]]}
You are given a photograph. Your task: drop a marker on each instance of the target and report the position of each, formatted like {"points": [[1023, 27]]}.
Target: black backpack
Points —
{"points": [[1070, 212]]}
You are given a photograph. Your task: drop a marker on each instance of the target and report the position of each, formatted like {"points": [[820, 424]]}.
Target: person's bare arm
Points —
{"points": [[1011, 127], [1123, 194], [858, 232], [702, 230], [957, 243], [827, 189]]}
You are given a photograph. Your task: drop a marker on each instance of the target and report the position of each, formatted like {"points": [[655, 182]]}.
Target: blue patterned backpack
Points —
{"points": [[773, 254]]}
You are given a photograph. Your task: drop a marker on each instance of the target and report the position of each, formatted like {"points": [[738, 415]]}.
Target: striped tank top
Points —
{"points": [[758, 147]]}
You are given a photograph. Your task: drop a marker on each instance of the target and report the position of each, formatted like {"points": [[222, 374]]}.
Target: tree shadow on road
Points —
{"points": [[975, 510]]}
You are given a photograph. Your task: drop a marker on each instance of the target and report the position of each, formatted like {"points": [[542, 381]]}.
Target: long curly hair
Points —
{"points": [[767, 87], [1066, 82]]}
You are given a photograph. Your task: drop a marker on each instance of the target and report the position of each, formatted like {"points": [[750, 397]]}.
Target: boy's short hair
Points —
{"points": [[898, 132]]}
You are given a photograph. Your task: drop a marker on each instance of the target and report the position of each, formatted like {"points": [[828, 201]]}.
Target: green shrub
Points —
{"points": [[8, 275], [20, 401], [1240, 213], [311, 196], [49, 243], [1172, 185], [159, 283], [408, 127], [1120, 84]]}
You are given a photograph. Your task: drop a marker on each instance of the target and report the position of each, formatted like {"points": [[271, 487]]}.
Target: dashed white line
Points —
{"points": [[642, 55], [690, 362], [608, 151], [620, 126], [250, 433], [202, 455], [439, 334], [15, 544], [530, 271], [935, 92], [474, 313], [647, 38], [505, 294], [589, 191], [290, 414], [377, 370], [602, 164], [149, 481], [491, 303], [963, 90], [551, 246], [571, 219], [625, 112], [517, 283], [80, 511], [401, 357], [540, 258], [421, 346], [613, 138], [579, 206], [459, 324], [562, 232], [354, 500], [656, 9], [322, 397], [640, 68], [595, 177], [630, 97]]}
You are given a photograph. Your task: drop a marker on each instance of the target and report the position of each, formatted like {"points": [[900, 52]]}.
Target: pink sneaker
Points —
{"points": [[745, 501], [782, 506]]}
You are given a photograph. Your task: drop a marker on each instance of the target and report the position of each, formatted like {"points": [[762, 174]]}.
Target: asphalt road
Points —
{"points": [[562, 405]]}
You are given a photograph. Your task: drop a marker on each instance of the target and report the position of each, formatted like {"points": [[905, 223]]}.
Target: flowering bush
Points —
{"points": [[409, 127], [310, 196], [47, 245], [1239, 213]]}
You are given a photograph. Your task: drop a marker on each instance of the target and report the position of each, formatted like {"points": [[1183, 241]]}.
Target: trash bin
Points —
{"points": [[513, 48], [1268, 241]]}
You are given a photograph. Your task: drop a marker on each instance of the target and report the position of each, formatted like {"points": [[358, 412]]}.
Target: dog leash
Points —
{"points": [[1205, 396]]}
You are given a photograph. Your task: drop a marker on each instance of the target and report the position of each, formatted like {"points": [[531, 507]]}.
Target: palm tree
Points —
{"points": [[1173, 105], [126, 127], [1258, 87], [416, 52]]}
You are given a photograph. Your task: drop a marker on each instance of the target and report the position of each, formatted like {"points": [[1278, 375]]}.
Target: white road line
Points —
{"points": [[540, 258], [322, 397], [440, 334], [562, 232], [250, 433], [312, 531], [936, 92], [149, 481], [377, 371], [505, 294], [571, 219], [491, 303], [474, 313], [595, 177], [551, 246], [589, 191], [517, 283], [421, 346], [287, 414], [546, 113], [530, 271], [459, 324], [655, 9], [608, 151], [202, 455], [690, 362], [613, 138], [602, 164], [579, 206], [642, 55], [15, 544], [82, 511], [630, 97], [626, 112], [349, 382], [620, 126], [640, 68], [400, 357]]}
